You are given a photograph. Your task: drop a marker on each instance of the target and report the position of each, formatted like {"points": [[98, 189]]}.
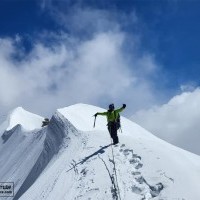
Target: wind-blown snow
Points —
{"points": [[73, 161]]}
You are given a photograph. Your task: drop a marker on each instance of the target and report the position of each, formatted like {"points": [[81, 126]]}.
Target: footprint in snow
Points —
{"points": [[135, 173], [136, 189], [155, 190], [140, 185]]}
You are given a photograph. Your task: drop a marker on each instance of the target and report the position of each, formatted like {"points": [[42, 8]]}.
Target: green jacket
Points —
{"points": [[111, 116]]}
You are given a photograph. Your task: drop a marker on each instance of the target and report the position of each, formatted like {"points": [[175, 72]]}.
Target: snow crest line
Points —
{"points": [[56, 131]]}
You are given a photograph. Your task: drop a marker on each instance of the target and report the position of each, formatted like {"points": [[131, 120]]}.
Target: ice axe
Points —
{"points": [[94, 120]]}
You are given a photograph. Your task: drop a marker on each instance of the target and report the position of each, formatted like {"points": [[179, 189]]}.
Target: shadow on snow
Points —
{"points": [[100, 151]]}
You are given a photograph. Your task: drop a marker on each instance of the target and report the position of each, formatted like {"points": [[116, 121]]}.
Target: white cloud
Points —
{"points": [[72, 69], [176, 122], [93, 70]]}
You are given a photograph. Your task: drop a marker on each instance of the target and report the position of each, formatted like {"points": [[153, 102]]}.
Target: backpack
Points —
{"points": [[117, 120]]}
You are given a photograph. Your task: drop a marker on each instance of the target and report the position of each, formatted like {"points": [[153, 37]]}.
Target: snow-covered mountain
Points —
{"points": [[19, 120], [71, 160], [27, 120], [21, 143]]}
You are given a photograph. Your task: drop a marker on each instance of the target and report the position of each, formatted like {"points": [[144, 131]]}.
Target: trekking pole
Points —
{"points": [[94, 120]]}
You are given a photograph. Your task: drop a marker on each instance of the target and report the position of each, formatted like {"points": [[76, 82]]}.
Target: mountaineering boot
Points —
{"points": [[115, 139], [114, 143]]}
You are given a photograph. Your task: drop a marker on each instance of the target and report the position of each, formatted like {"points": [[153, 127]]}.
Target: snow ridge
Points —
{"points": [[27, 120], [58, 129], [70, 160]]}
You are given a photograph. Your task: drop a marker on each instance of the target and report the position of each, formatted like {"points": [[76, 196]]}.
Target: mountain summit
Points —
{"points": [[69, 159], [19, 115]]}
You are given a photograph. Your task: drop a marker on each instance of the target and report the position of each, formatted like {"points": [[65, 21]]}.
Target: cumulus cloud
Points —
{"points": [[63, 68], [176, 122], [57, 75]]}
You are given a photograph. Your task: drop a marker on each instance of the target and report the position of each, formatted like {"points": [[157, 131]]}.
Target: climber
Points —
{"points": [[113, 119], [45, 122]]}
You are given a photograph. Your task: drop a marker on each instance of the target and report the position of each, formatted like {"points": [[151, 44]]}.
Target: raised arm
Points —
{"points": [[99, 113], [120, 109]]}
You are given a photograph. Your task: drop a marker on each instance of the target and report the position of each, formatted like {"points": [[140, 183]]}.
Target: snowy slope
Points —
{"points": [[80, 164], [21, 143], [27, 121], [19, 154]]}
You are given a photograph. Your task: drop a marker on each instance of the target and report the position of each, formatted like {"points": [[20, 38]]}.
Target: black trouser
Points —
{"points": [[112, 128]]}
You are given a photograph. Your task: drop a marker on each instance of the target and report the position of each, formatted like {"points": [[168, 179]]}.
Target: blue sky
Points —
{"points": [[171, 29], [163, 34]]}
